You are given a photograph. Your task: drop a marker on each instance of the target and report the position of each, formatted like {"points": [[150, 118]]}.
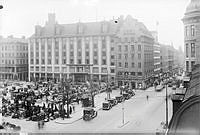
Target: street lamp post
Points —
{"points": [[91, 90], [123, 112], [166, 107], [108, 89], [65, 88]]}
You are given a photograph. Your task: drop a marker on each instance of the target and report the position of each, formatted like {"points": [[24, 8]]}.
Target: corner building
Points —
{"points": [[80, 51], [191, 22], [134, 52]]}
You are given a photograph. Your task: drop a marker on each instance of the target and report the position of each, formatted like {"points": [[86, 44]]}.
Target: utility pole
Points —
{"points": [[66, 89], [63, 100], [108, 91], [91, 90], [166, 107], [123, 112]]}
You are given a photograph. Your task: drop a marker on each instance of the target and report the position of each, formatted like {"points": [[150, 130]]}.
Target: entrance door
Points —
{"points": [[133, 85]]}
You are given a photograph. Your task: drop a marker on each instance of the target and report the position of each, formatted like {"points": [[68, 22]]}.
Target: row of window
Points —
{"points": [[126, 48], [64, 54], [8, 47], [129, 73], [18, 61], [190, 49], [190, 30], [13, 69], [126, 64], [57, 69], [132, 56], [14, 55], [64, 61], [187, 65]]}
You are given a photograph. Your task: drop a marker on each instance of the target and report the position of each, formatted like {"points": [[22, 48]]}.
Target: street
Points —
{"points": [[140, 115]]}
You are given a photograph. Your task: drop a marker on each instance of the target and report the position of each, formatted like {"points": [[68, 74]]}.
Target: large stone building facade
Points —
{"points": [[134, 52], [156, 54], [191, 22], [167, 58], [88, 51], [13, 58]]}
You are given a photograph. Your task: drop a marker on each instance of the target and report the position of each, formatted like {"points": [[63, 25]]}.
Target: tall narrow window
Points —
{"points": [[187, 65], [192, 64], [187, 50], [120, 48], [186, 31], [139, 48], [192, 30], [192, 50], [126, 64]]}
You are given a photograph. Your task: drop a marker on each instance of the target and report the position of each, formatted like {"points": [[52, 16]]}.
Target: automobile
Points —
{"points": [[131, 92], [169, 84], [112, 101], [106, 105], [174, 87], [159, 88], [126, 96], [119, 99], [89, 113]]}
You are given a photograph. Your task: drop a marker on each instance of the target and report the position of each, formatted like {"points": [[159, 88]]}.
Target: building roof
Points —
{"points": [[89, 28], [11, 39], [194, 88], [186, 120], [193, 6]]}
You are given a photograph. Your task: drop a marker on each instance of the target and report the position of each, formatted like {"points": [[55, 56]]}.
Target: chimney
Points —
{"points": [[51, 18], [177, 101], [37, 30]]}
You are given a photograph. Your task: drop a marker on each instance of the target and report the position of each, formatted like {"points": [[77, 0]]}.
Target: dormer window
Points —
{"points": [[37, 30], [57, 30], [104, 27], [80, 29]]}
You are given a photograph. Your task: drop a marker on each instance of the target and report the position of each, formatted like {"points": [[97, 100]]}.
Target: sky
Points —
{"points": [[19, 17]]}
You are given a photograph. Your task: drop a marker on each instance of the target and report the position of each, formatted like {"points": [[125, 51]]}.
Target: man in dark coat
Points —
{"points": [[70, 110]]}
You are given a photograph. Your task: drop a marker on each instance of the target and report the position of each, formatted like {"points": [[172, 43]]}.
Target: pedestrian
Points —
{"points": [[73, 107], [147, 97], [70, 110], [77, 99]]}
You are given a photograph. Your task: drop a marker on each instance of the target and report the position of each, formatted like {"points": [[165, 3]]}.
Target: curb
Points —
{"points": [[68, 122], [74, 120]]}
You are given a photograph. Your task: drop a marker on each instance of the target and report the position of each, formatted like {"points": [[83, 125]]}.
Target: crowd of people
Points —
{"points": [[40, 101]]}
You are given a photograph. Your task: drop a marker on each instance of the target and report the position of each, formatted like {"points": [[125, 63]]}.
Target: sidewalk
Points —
{"points": [[78, 114]]}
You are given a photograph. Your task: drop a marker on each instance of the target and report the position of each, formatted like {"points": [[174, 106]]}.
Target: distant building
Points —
{"points": [[93, 50], [167, 57], [156, 53], [191, 22], [13, 58]]}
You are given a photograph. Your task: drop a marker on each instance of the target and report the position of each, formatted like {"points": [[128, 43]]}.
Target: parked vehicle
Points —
{"points": [[159, 88], [174, 87], [112, 101], [89, 113], [106, 106], [131, 92], [119, 99], [126, 96], [169, 84]]}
